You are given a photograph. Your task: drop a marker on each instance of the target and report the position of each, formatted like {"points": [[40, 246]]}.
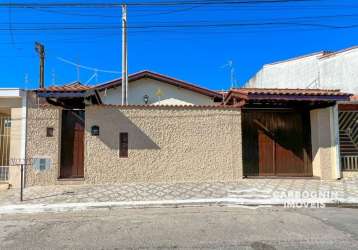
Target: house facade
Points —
{"points": [[325, 70], [187, 136], [12, 134], [74, 137], [146, 87]]}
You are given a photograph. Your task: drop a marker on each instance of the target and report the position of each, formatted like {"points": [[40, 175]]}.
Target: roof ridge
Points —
{"points": [[322, 52], [160, 77]]}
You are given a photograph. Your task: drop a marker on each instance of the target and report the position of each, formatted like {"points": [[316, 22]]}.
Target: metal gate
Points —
{"points": [[5, 127], [348, 139]]}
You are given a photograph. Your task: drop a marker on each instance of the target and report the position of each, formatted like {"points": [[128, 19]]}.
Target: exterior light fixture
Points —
{"points": [[49, 132], [95, 130], [146, 99]]}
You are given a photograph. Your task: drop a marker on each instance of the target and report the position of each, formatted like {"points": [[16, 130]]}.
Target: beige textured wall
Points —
{"points": [[14, 105], [15, 134], [15, 145], [40, 146], [324, 144], [165, 145]]}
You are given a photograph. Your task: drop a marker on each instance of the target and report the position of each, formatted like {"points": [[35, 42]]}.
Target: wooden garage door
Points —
{"points": [[276, 143]]}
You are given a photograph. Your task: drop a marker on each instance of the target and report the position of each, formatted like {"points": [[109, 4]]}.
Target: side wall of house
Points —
{"points": [[339, 71], [325, 154], [295, 73], [165, 145], [39, 146]]}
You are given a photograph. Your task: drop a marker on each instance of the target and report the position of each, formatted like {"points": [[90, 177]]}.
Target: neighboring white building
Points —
{"points": [[12, 133], [330, 70], [147, 87]]}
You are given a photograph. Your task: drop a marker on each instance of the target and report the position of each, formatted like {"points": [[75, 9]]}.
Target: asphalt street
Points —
{"points": [[183, 228]]}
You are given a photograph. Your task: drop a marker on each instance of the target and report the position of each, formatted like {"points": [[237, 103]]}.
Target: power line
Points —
{"points": [[185, 25], [301, 18], [157, 3]]}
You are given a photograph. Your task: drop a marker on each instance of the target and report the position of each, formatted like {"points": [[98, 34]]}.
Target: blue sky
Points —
{"points": [[195, 54]]}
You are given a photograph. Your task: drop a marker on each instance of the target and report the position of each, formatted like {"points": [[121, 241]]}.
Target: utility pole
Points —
{"points": [[124, 56], [40, 49]]}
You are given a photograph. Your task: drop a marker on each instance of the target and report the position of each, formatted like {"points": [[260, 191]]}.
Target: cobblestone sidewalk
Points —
{"points": [[247, 189]]}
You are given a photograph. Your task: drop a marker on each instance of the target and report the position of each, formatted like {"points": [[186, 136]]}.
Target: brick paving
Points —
{"points": [[249, 189]]}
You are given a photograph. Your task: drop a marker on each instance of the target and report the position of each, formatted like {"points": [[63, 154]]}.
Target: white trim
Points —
{"points": [[10, 92]]}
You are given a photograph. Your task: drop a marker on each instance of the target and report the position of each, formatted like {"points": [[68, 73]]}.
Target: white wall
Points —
{"points": [[137, 89], [337, 71], [340, 71], [297, 73]]}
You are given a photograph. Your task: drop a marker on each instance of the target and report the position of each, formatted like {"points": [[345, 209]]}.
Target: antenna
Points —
{"points": [[26, 78], [233, 79], [53, 75], [94, 70]]}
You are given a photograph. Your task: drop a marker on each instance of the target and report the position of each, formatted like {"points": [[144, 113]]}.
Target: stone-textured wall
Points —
{"points": [[166, 144], [40, 146]]}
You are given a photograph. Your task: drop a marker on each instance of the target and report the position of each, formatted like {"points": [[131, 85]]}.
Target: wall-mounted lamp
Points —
{"points": [[49, 132], [95, 130], [146, 99]]}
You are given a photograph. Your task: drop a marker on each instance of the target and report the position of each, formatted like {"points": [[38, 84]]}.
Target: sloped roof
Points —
{"points": [[71, 87], [338, 52], [318, 54], [161, 78], [354, 98], [287, 91], [277, 94]]}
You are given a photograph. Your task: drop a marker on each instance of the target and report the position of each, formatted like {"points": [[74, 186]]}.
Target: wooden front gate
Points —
{"points": [[276, 143], [72, 144]]}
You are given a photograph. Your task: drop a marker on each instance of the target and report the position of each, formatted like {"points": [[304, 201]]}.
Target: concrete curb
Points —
{"points": [[248, 203]]}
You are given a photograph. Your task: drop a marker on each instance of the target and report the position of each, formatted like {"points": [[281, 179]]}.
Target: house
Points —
{"points": [[325, 70], [12, 134], [289, 132], [81, 134], [146, 87]]}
